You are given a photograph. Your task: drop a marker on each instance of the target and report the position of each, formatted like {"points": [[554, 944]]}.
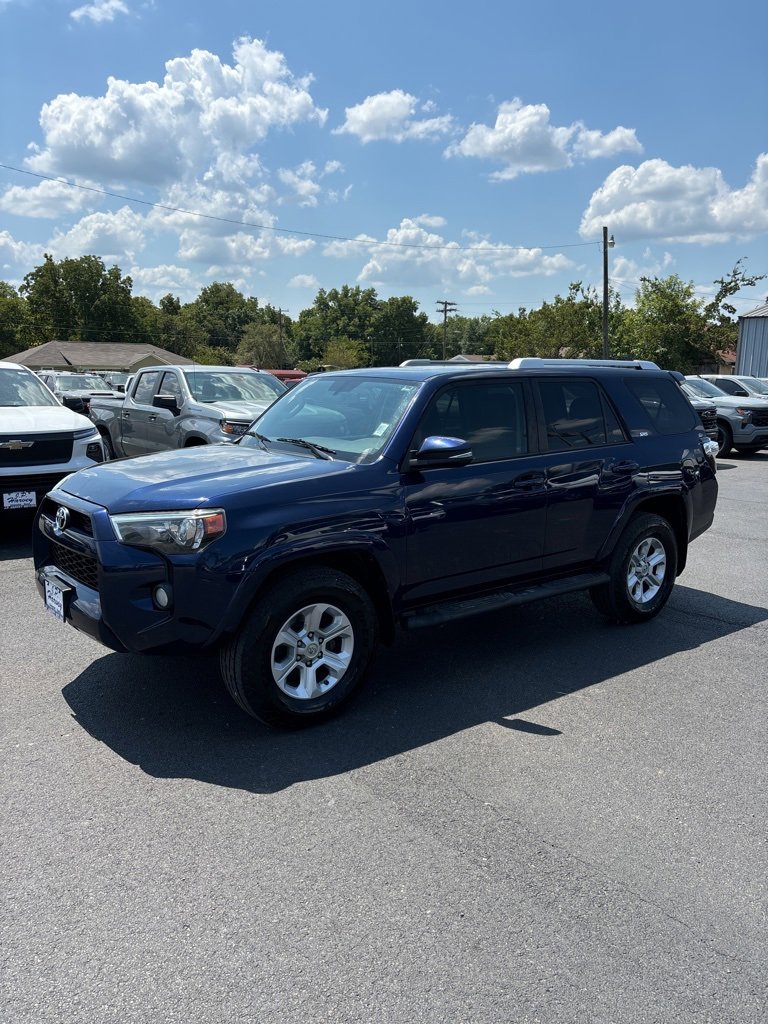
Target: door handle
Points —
{"points": [[152, 418], [625, 467], [529, 481]]}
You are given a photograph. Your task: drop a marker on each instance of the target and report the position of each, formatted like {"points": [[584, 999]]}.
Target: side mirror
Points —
{"points": [[169, 402], [436, 451]]}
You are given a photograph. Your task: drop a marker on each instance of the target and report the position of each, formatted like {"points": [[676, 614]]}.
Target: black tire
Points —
{"points": [[642, 572], [724, 439], [317, 674], [749, 450], [109, 449]]}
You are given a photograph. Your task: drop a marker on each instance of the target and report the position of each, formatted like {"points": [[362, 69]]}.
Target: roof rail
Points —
{"points": [[527, 362]]}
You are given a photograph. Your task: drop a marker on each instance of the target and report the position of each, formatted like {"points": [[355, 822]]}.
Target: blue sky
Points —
{"points": [[468, 152]]}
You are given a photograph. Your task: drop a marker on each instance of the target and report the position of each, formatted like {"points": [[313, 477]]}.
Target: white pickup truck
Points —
{"points": [[40, 441], [167, 407]]}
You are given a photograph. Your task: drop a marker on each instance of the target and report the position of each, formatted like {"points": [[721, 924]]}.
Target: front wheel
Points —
{"points": [[642, 571], [109, 448], [303, 649], [724, 439]]}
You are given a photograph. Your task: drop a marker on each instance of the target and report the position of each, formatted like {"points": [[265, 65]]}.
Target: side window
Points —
{"points": [[577, 416], [145, 387], [665, 407], [170, 386], [732, 387], [490, 416]]}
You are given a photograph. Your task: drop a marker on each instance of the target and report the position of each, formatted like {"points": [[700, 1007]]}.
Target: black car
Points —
{"points": [[365, 500]]}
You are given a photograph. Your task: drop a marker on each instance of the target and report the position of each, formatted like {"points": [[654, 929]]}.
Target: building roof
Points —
{"points": [[95, 355], [760, 311]]}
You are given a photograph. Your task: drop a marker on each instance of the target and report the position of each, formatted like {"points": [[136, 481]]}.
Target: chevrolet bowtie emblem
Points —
{"points": [[16, 446]]}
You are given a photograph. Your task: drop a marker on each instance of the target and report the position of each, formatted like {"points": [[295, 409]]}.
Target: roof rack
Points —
{"points": [[526, 362]]}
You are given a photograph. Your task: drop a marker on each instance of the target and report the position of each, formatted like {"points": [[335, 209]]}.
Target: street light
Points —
{"points": [[608, 243]]}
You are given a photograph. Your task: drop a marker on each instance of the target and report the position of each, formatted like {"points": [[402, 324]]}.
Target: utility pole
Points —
{"points": [[448, 307], [607, 244]]}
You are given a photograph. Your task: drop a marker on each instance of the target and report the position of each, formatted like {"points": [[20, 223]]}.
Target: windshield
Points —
{"points": [[754, 385], [81, 382], [210, 386], [351, 417], [703, 389], [20, 387]]}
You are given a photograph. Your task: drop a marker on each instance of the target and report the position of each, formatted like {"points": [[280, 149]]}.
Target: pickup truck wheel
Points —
{"points": [[724, 439], [642, 571], [109, 448], [303, 649]]}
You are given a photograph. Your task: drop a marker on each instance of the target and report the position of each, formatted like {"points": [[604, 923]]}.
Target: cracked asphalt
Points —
{"points": [[530, 817]]}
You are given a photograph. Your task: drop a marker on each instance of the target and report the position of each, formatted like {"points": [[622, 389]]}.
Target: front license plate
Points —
{"points": [[20, 499], [54, 600]]}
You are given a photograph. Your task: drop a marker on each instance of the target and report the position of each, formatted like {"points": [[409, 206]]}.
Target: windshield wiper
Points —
{"points": [[261, 438], [316, 449]]}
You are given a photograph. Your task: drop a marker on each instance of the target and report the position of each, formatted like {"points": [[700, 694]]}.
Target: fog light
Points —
{"points": [[161, 595]]}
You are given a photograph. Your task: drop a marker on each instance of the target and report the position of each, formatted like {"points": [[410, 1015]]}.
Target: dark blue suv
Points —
{"points": [[370, 499]]}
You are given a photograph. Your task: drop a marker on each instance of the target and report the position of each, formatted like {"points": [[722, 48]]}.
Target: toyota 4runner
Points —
{"points": [[365, 500]]}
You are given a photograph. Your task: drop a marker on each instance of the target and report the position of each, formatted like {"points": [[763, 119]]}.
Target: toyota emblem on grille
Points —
{"points": [[62, 519], [16, 445]]}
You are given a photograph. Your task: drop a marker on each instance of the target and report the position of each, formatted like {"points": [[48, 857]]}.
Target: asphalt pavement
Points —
{"points": [[530, 817]]}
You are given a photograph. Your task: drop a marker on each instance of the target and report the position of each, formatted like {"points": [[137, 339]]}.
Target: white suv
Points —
{"points": [[40, 440]]}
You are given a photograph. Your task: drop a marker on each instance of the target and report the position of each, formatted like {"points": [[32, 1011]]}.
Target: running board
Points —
{"points": [[448, 611]]}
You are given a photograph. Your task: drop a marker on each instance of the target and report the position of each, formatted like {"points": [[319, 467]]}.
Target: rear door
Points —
{"points": [[589, 465]]}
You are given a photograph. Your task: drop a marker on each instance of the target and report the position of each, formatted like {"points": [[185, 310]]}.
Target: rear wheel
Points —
{"points": [[303, 649], [642, 571]]}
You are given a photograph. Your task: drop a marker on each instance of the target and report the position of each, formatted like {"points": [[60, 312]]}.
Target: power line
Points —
{"points": [[292, 231]]}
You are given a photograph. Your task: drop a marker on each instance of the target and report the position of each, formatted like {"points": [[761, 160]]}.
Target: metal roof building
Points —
{"points": [[752, 346]]}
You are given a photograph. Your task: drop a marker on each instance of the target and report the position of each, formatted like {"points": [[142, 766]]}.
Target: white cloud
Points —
{"points": [[100, 10], [417, 257], [48, 199], [112, 236], [155, 282], [300, 180], [16, 254], [390, 116], [304, 281], [678, 204], [525, 141], [204, 110]]}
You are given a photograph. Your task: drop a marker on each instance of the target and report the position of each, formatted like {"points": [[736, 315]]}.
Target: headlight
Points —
{"points": [[233, 428], [173, 533], [90, 432], [746, 415]]}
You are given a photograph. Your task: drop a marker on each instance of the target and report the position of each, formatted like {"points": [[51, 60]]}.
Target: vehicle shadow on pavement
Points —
{"points": [[16, 535], [173, 718]]}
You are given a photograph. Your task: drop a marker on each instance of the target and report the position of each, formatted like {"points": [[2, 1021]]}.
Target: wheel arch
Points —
{"points": [[670, 507], [360, 565]]}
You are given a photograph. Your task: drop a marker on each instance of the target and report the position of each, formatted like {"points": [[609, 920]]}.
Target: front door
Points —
{"points": [[483, 522]]}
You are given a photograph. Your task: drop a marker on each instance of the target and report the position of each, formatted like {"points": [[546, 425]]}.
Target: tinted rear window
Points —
{"points": [[663, 404]]}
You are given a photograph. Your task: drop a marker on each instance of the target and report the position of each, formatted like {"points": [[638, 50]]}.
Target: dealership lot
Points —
{"points": [[533, 816]]}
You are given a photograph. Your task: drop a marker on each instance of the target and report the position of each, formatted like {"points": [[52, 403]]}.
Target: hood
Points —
{"points": [[234, 410], [41, 419], [193, 477]]}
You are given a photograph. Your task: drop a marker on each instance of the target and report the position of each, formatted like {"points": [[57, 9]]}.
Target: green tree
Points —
{"points": [[398, 331], [668, 324], [339, 313], [345, 353], [17, 331], [222, 313]]}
